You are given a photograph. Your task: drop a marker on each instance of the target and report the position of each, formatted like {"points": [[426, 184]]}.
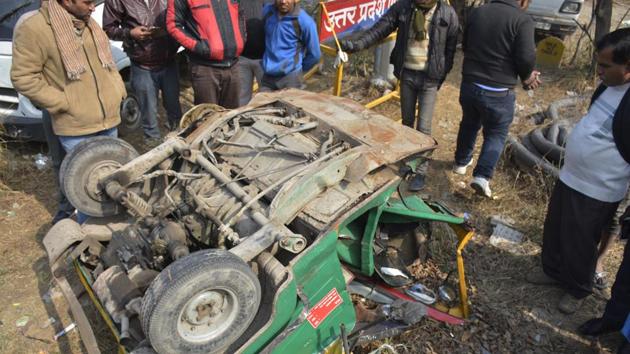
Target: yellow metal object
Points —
{"points": [[307, 75], [338, 78], [335, 347], [99, 306], [549, 52], [464, 236], [392, 95], [330, 23]]}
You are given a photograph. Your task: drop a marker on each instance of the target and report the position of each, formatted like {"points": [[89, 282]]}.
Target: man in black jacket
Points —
{"points": [[422, 57], [141, 26], [498, 48], [249, 64]]}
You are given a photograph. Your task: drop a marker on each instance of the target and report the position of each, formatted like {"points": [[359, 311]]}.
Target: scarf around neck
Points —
{"points": [[64, 27], [419, 18]]}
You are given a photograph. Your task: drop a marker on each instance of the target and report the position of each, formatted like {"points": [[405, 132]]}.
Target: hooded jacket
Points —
{"points": [[286, 50], [77, 107]]}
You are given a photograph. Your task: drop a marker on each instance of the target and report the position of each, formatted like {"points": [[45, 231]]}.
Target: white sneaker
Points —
{"points": [[481, 186], [461, 170]]}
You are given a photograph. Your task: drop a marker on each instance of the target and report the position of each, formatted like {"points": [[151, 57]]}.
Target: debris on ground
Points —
{"points": [[504, 235]]}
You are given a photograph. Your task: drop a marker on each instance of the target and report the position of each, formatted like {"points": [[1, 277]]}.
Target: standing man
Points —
{"points": [[498, 47], [213, 34], [250, 63], [141, 26], [292, 45], [62, 61], [593, 180], [422, 57]]}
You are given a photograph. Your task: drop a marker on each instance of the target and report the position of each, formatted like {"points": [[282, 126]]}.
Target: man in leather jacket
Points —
{"points": [[141, 26], [422, 57]]}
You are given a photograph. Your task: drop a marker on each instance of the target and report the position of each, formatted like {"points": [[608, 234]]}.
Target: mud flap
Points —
{"points": [[57, 241]]}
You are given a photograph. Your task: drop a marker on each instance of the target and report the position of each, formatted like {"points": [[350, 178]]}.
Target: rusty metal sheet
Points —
{"points": [[389, 141]]}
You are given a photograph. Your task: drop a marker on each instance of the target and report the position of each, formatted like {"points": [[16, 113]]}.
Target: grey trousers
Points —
{"points": [[416, 88], [274, 83], [249, 69]]}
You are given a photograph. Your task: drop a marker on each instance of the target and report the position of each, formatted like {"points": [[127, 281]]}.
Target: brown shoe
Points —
{"points": [[537, 276], [569, 304]]}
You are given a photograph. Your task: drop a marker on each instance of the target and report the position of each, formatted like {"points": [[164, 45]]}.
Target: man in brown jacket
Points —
{"points": [[141, 26], [62, 61]]}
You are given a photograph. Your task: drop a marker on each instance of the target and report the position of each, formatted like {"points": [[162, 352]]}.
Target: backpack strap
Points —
{"points": [[298, 33]]}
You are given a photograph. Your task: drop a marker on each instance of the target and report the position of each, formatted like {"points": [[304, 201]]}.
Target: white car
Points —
{"points": [[555, 17], [20, 118]]}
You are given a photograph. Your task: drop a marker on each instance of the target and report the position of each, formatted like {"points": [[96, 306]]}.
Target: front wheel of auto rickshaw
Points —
{"points": [[201, 303]]}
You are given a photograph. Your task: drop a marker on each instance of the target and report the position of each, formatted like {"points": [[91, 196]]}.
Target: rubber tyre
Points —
{"points": [[552, 131], [85, 144], [81, 169], [527, 160], [549, 150], [130, 114], [562, 135], [183, 280]]}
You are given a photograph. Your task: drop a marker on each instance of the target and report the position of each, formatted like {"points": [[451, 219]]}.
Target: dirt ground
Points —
{"points": [[508, 314]]}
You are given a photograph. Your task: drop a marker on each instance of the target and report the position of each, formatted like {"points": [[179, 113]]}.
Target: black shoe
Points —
{"points": [[417, 183], [624, 348], [598, 326]]}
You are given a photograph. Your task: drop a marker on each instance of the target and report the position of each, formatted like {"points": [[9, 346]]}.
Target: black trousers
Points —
{"points": [[618, 307], [573, 229]]}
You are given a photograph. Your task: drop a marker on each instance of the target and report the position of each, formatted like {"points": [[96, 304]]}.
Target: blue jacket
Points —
{"points": [[285, 53]]}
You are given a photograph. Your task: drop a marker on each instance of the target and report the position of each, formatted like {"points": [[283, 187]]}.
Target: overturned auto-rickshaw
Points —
{"points": [[242, 232]]}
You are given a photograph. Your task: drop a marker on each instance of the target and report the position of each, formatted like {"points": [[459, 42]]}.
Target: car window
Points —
{"points": [[11, 10]]}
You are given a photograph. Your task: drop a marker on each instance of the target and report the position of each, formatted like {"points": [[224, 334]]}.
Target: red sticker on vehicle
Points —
{"points": [[324, 307]]}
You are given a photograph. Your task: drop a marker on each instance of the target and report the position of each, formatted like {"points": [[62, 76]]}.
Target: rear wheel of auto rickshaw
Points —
{"points": [[201, 303], [85, 165]]}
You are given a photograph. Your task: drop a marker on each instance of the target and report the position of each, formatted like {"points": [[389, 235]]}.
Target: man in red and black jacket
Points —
{"points": [[213, 33]]}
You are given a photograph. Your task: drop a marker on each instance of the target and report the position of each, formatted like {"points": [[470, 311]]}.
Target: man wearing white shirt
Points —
{"points": [[593, 180]]}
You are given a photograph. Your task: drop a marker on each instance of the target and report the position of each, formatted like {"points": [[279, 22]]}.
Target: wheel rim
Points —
{"points": [[207, 315], [100, 170], [130, 112]]}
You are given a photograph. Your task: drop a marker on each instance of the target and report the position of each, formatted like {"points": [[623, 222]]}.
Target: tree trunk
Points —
{"points": [[603, 15]]}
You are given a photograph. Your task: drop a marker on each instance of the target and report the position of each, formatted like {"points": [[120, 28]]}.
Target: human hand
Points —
{"points": [[157, 32], [140, 33], [533, 81]]}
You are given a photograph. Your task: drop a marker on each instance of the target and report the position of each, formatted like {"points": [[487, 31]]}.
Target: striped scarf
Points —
{"points": [[64, 29]]}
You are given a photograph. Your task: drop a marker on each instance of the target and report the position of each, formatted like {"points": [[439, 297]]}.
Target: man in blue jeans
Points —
{"points": [[141, 26], [498, 48]]}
